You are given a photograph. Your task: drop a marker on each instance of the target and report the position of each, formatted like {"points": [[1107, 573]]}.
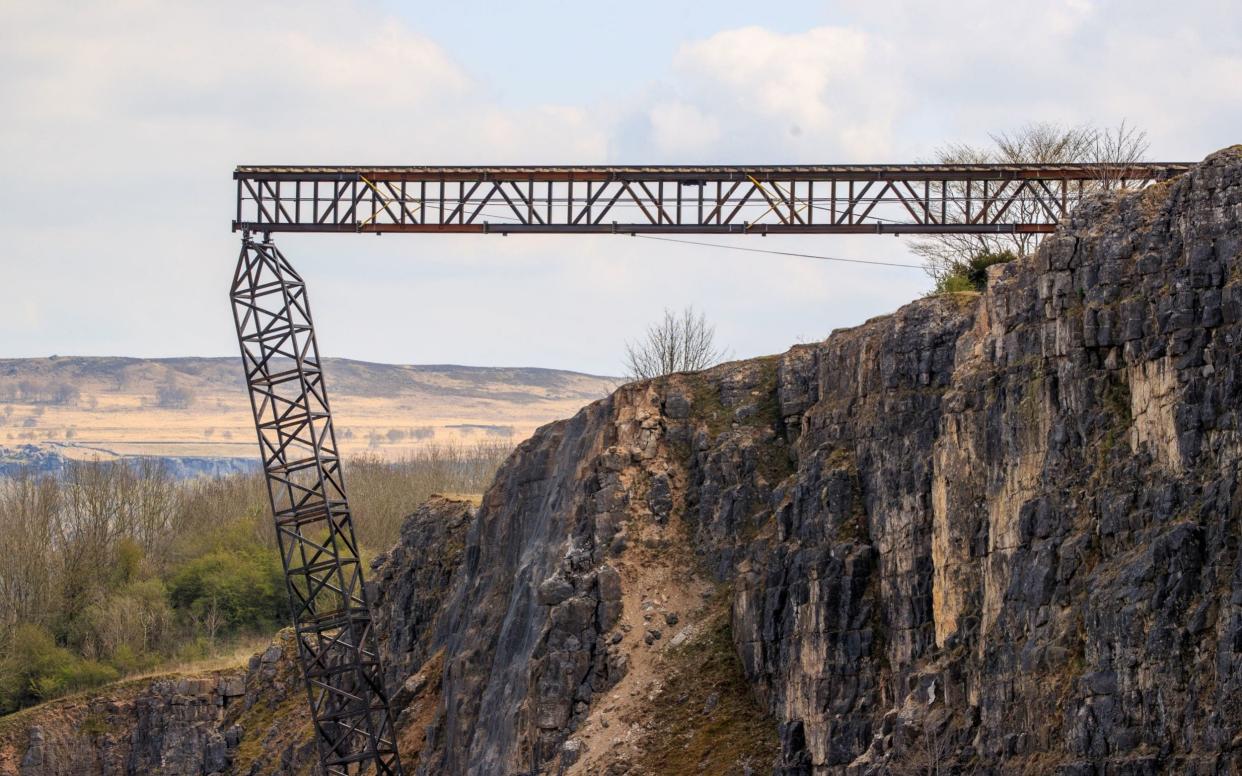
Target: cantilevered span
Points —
{"points": [[762, 199]]}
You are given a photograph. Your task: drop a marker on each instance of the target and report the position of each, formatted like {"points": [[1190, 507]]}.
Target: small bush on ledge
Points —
{"points": [[971, 275]]}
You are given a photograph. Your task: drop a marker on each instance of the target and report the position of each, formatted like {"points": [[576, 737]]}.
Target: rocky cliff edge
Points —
{"points": [[990, 533]]}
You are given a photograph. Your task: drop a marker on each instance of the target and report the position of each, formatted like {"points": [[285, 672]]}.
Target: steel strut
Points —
{"points": [[337, 647]]}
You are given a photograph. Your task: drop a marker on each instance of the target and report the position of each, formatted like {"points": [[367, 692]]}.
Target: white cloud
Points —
{"points": [[124, 118], [147, 82], [823, 93], [678, 128], [973, 67]]}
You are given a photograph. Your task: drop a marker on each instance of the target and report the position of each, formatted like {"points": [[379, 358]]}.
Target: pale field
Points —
{"points": [[111, 419]]}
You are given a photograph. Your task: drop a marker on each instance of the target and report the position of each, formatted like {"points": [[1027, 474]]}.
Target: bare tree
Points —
{"points": [[150, 500], [1039, 143], [29, 566], [209, 619], [926, 746], [677, 343], [1117, 147]]}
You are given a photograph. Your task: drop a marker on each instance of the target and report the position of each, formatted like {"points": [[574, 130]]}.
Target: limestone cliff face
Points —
{"points": [[249, 720], [989, 533], [985, 533]]}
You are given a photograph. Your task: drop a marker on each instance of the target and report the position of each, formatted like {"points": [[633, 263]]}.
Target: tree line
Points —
{"points": [[116, 568], [28, 391]]}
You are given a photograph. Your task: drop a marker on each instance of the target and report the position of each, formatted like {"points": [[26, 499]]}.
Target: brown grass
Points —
{"points": [[235, 655], [687, 737]]}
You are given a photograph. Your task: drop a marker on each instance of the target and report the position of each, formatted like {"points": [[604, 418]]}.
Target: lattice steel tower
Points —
{"points": [[337, 646]]}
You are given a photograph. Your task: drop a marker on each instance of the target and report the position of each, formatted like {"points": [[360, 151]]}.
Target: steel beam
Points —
{"points": [[763, 199]]}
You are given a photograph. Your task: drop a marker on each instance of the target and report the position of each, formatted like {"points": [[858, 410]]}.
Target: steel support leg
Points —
{"points": [[336, 644]]}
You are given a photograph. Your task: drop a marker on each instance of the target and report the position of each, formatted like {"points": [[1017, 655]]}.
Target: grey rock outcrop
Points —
{"points": [[243, 721], [172, 727], [992, 533]]}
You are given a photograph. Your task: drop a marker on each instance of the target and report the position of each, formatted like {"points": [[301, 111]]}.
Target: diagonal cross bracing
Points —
{"points": [[337, 647], [760, 199]]}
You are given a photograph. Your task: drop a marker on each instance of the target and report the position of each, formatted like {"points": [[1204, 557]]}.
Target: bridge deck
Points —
{"points": [[762, 199]]}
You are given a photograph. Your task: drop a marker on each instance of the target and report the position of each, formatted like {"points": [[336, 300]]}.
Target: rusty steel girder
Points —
{"points": [[806, 199]]}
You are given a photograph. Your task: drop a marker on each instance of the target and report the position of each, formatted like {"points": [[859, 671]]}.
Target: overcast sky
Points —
{"points": [[121, 122]]}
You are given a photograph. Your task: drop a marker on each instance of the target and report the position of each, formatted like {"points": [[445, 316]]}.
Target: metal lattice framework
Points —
{"points": [[336, 644], [323, 572], [808, 199]]}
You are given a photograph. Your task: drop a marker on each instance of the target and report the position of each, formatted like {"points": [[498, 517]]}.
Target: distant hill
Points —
{"points": [[198, 407], [347, 377]]}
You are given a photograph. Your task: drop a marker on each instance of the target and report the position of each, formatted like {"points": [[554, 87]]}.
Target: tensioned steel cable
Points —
{"points": [[779, 253], [755, 250]]}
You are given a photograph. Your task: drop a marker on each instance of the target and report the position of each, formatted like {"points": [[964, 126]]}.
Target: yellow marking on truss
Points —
{"points": [[772, 207], [385, 202], [801, 206]]}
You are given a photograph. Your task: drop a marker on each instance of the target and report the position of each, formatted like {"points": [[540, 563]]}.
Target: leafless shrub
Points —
{"points": [[383, 493], [209, 619], [929, 752], [1118, 147], [1037, 143], [677, 343]]}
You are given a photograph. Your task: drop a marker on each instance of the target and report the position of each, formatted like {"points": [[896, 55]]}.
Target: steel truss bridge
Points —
{"points": [[832, 199], [337, 646]]}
